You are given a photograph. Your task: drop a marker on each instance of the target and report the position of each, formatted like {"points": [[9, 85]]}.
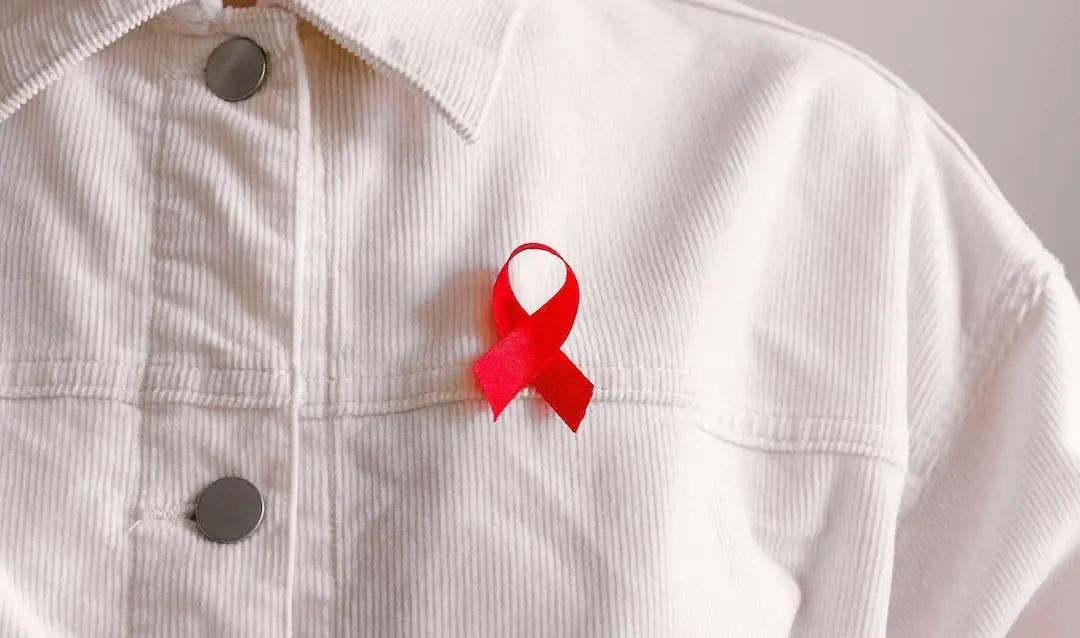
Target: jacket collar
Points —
{"points": [[450, 51]]}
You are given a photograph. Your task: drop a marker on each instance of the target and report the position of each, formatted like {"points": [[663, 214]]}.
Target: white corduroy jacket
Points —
{"points": [[837, 380]]}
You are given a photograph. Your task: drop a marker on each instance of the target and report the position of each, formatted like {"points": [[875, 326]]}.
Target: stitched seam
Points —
{"points": [[332, 336], [149, 296], [802, 446], [626, 395], [602, 394], [792, 440], [454, 396], [301, 191], [408, 373], [139, 366], [455, 369], [581, 364], [631, 396], [607, 395], [769, 21], [335, 532], [111, 389]]}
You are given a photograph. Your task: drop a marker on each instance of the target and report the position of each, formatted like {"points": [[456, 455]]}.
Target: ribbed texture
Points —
{"points": [[833, 369]]}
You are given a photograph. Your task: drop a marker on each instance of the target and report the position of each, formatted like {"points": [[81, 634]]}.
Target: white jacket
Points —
{"points": [[835, 375]]}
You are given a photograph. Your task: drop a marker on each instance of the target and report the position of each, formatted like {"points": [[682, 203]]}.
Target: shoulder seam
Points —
{"points": [[769, 21]]}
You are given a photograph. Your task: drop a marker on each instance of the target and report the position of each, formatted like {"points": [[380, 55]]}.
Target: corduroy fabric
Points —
{"points": [[833, 367]]}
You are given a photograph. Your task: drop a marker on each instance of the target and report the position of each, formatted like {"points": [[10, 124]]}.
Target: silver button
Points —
{"points": [[229, 510], [236, 69]]}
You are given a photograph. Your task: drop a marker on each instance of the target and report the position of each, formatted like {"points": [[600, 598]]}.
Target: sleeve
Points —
{"points": [[988, 540]]}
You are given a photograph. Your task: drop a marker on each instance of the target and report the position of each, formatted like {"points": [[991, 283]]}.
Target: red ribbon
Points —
{"points": [[528, 350]]}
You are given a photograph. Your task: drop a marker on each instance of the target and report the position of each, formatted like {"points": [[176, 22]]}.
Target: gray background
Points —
{"points": [[1006, 76]]}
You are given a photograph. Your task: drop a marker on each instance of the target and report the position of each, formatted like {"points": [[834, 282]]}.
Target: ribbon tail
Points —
{"points": [[493, 385], [566, 389]]}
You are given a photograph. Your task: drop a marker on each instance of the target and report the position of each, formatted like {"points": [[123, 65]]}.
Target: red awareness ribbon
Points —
{"points": [[529, 351]]}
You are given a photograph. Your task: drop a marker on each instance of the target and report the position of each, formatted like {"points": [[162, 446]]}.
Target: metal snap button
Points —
{"points": [[229, 510], [236, 70]]}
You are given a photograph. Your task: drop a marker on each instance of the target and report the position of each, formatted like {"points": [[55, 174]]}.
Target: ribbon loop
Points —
{"points": [[528, 351]]}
